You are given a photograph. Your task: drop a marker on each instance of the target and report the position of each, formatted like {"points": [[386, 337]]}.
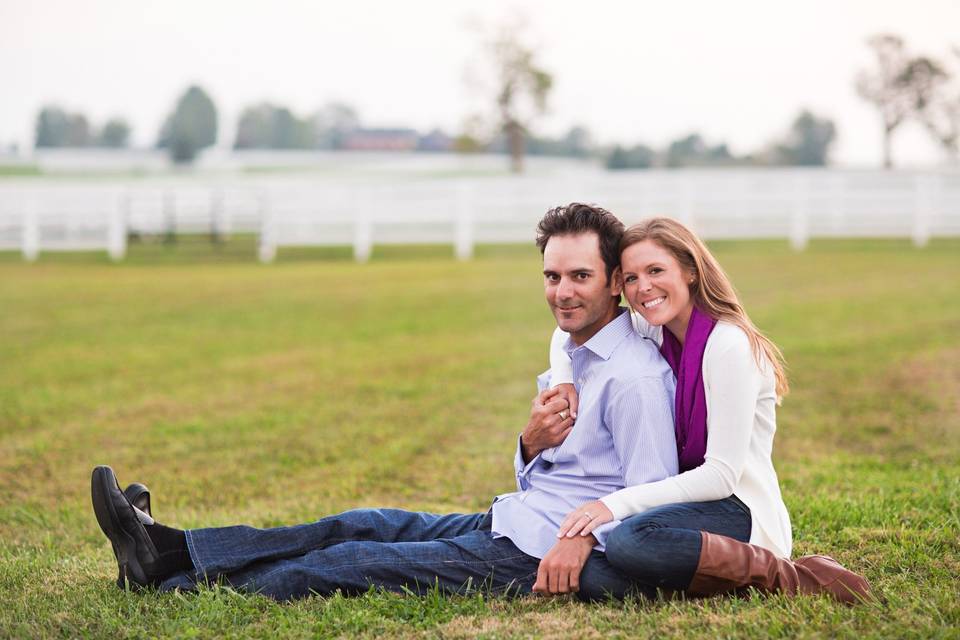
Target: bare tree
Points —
{"points": [[887, 87], [521, 86], [940, 111]]}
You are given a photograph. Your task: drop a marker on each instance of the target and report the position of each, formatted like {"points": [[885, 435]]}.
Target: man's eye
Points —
{"points": [[583, 276]]}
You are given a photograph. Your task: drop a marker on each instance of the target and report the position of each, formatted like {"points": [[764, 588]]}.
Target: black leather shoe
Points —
{"points": [[139, 496], [136, 555]]}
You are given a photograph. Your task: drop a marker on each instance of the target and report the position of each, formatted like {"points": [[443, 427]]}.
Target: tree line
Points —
{"points": [[807, 143], [902, 86]]}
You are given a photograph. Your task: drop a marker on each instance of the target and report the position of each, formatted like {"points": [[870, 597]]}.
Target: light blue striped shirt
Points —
{"points": [[623, 436]]}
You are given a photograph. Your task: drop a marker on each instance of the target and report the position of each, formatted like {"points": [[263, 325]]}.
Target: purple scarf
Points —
{"points": [[690, 408]]}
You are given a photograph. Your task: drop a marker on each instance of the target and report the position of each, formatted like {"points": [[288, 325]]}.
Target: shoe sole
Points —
{"points": [[131, 573]]}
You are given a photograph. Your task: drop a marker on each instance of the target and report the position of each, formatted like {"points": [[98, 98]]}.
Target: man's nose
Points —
{"points": [[565, 289]]}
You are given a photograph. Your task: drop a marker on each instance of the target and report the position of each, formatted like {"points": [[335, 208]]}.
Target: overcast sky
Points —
{"points": [[631, 71]]}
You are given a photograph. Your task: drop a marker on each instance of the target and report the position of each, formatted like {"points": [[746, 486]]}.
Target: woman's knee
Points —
{"points": [[625, 546]]}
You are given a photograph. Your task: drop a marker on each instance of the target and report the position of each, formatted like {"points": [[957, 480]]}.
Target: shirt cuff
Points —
{"points": [[522, 468], [601, 533]]}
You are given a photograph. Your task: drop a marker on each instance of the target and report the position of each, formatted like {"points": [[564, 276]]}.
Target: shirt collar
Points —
{"points": [[606, 340]]}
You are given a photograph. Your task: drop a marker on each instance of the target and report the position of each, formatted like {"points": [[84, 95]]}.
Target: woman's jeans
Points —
{"points": [[660, 548]]}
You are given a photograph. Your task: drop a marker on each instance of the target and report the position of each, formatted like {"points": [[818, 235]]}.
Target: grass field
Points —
{"points": [[275, 394]]}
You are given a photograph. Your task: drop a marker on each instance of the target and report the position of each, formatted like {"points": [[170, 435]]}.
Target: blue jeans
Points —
{"points": [[660, 548], [352, 551]]}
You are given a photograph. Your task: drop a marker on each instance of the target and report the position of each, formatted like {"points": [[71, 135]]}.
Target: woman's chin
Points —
{"points": [[653, 319]]}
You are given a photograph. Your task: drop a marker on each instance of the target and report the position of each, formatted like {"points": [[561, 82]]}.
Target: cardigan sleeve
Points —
{"points": [[732, 383], [561, 369]]}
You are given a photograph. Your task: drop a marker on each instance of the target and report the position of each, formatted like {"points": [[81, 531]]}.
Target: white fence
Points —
{"points": [[736, 203]]}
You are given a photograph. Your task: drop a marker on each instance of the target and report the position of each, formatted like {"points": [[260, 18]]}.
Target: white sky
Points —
{"points": [[631, 71]]}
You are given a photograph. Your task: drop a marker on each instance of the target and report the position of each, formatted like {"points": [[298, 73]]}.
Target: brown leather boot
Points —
{"points": [[727, 565]]}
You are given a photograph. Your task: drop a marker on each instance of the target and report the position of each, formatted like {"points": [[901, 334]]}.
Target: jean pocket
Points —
{"points": [[738, 502]]}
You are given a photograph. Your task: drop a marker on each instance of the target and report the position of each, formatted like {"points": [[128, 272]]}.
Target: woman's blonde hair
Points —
{"points": [[711, 290]]}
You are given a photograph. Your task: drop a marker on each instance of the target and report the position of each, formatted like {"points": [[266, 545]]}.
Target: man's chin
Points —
{"points": [[570, 326]]}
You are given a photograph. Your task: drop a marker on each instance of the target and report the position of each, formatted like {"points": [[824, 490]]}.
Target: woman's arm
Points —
{"points": [[645, 329], [561, 369], [732, 381]]}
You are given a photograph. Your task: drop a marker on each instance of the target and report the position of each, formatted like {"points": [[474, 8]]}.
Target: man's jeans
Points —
{"points": [[660, 548], [352, 551]]}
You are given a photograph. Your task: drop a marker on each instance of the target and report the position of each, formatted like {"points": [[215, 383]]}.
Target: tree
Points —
{"points": [[520, 86], [191, 127], [52, 127], [577, 142], [686, 151], [889, 87], [809, 140], [940, 114], [78, 132], [57, 128], [266, 126], [332, 123], [114, 134], [638, 157]]}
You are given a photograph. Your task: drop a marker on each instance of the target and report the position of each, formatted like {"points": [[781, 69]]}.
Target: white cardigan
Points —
{"points": [[741, 420]]}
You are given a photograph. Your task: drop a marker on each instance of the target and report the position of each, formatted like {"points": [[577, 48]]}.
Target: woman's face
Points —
{"points": [[657, 286]]}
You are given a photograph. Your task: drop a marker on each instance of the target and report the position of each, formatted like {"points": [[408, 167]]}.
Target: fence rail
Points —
{"points": [[749, 203]]}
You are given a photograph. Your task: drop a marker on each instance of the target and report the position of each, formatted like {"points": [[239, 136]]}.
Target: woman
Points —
{"points": [[690, 532]]}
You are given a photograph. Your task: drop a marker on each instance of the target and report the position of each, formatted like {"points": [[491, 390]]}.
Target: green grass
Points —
{"points": [[272, 394], [18, 170]]}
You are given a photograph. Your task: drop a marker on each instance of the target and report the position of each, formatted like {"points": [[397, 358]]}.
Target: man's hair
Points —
{"points": [[576, 218]]}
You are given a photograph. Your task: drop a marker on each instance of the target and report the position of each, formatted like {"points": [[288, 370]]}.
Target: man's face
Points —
{"points": [[576, 287]]}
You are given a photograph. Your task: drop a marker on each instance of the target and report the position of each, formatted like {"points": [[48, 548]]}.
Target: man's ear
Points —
{"points": [[616, 282]]}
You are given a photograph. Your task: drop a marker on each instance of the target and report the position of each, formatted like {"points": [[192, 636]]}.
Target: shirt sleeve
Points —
{"points": [[732, 381], [522, 468], [561, 368]]}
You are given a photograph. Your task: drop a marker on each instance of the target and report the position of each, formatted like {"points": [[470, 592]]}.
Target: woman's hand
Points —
{"points": [[569, 393], [585, 519]]}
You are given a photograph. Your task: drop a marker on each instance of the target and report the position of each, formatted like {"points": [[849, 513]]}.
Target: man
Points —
{"points": [[623, 436]]}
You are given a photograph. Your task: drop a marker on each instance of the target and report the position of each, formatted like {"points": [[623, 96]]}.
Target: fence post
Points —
{"points": [[31, 229], [799, 223], [216, 214], [362, 233], [117, 228], [688, 203], [170, 216], [921, 213], [464, 225], [267, 245]]}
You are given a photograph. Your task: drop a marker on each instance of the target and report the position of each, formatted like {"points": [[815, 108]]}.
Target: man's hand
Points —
{"points": [[559, 571], [550, 422]]}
